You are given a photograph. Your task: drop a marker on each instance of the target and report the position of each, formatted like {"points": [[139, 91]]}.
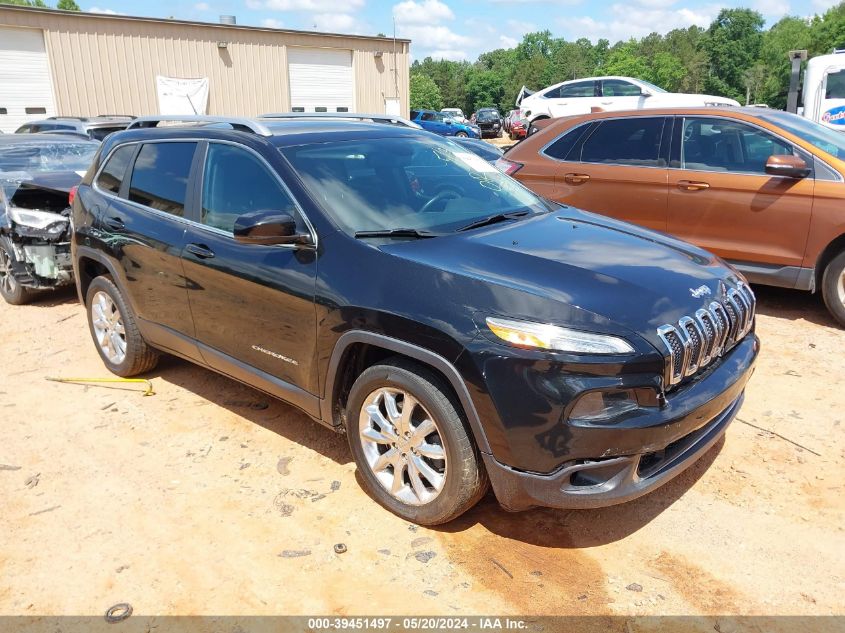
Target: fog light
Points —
{"points": [[606, 405]]}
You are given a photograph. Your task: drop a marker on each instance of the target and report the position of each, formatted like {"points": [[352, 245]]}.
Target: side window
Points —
{"points": [[160, 176], [633, 141], [235, 182], [414, 114], [111, 177], [835, 88], [427, 116], [580, 89], [24, 129], [725, 145], [561, 148], [619, 88]]}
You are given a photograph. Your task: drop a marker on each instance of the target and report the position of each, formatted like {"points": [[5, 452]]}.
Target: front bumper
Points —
{"points": [[627, 463]]}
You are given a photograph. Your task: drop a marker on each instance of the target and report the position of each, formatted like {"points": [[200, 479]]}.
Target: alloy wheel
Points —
{"points": [[108, 328], [403, 446], [7, 279]]}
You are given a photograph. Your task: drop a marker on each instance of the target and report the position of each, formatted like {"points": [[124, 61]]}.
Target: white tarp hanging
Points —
{"points": [[182, 96]]}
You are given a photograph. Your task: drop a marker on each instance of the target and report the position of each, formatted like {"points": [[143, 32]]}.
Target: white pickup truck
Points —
{"points": [[581, 96], [824, 90]]}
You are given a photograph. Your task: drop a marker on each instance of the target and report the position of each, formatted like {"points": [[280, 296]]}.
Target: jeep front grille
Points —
{"points": [[695, 341]]}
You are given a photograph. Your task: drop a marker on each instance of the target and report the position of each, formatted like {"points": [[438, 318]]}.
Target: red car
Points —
{"points": [[518, 129]]}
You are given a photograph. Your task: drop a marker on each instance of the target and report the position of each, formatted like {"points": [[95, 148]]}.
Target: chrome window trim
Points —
{"points": [[762, 129], [192, 223]]}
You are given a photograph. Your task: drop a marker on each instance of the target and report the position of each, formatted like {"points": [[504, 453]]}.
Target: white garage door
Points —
{"points": [[26, 92], [320, 80]]}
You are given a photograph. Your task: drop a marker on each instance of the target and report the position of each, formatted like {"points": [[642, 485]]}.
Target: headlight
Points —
{"points": [[35, 219], [555, 338]]}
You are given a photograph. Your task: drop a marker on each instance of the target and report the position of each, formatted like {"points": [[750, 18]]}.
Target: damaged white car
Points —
{"points": [[37, 174]]}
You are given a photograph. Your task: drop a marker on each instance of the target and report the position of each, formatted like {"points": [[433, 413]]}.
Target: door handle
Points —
{"points": [[200, 250], [692, 185], [576, 179], [115, 223]]}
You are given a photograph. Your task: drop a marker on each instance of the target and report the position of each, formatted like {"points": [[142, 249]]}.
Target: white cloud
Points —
{"points": [[424, 12], [772, 8], [627, 23], [318, 6], [339, 23], [104, 11], [202, 6], [272, 23], [452, 55], [521, 28], [821, 6], [508, 42], [434, 37]]}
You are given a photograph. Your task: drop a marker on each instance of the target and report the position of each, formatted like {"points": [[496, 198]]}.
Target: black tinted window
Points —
{"points": [[634, 141], [235, 182], [415, 114], [835, 85], [112, 175], [580, 89], [99, 133], [563, 145], [427, 116], [619, 88], [160, 176]]}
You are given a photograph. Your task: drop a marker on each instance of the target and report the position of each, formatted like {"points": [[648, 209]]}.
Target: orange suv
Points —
{"points": [[763, 189]]}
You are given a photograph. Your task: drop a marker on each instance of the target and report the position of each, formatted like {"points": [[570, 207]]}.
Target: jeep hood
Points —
{"points": [[577, 267]]}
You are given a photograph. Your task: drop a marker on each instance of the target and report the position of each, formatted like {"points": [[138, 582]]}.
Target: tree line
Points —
{"points": [[736, 57]]}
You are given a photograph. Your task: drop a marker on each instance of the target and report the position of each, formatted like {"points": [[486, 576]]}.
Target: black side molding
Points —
{"points": [[410, 350]]}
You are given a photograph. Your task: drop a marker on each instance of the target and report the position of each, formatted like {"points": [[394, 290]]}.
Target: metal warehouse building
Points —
{"points": [[77, 64]]}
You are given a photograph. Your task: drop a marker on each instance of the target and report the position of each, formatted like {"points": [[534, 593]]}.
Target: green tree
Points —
{"points": [[424, 93], [485, 89], [67, 5], [624, 60], [732, 44], [26, 3], [788, 34]]}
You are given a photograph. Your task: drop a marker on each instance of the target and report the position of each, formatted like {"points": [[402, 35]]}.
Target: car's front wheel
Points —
{"points": [[10, 288], [115, 332], [461, 134], [833, 287], [411, 445]]}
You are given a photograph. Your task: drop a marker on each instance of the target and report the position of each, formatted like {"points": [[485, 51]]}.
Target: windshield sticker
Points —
{"points": [[476, 162]]}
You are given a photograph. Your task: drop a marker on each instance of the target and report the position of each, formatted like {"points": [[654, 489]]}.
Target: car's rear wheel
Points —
{"points": [[833, 287], [10, 288], [410, 444], [461, 134], [115, 332]]}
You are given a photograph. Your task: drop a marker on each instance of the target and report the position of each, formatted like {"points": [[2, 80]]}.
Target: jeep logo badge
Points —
{"points": [[699, 292]]}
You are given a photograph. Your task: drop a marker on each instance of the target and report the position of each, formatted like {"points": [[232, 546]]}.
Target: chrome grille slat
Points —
{"points": [[694, 342]]}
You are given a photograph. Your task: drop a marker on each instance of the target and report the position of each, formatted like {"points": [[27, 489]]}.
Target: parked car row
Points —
{"points": [[485, 336]]}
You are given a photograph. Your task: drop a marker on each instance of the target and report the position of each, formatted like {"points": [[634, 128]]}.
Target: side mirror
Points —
{"points": [[268, 228], [645, 93], [787, 165], [449, 121]]}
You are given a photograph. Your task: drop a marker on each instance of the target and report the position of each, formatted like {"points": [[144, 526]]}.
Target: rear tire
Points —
{"points": [[115, 332], [462, 134], [833, 287], [10, 288], [421, 464]]}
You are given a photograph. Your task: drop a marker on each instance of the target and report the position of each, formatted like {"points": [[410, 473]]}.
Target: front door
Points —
{"points": [[722, 199], [252, 304], [618, 170]]}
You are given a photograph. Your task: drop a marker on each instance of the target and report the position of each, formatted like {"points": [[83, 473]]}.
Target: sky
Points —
{"points": [[456, 30]]}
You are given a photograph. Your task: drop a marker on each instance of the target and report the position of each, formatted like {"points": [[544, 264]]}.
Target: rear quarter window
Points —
{"points": [[160, 176], [113, 172]]}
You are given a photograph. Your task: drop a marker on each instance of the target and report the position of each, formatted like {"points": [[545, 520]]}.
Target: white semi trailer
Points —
{"points": [[824, 90]]}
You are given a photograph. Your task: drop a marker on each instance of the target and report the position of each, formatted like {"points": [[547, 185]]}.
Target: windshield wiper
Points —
{"points": [[396, 233], [493, 219]]}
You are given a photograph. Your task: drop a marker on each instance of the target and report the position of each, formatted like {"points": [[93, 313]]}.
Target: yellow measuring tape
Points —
{"points": [[148, 391]]}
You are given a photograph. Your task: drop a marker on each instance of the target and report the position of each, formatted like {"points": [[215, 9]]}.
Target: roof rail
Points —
{"points": [[116, 116], [71, 118], [376, 118], [241, 124]]}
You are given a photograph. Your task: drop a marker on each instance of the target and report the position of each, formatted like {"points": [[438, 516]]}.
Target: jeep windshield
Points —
{"points": [[410, 186], [487, 116]]}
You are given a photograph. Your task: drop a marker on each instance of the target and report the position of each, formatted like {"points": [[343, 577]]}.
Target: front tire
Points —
{"points": [[411, 445], [115, 331], [10, 288], [461, 134], [833, 287]]}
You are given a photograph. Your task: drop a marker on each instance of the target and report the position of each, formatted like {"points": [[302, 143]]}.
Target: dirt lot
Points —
{"points": [[210, 498]]}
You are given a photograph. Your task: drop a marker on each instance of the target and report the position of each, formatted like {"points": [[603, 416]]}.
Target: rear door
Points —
{"points": [[252, 304], [617, 168], [722, 199], [575, 98], [618, 94], [145, 224]]}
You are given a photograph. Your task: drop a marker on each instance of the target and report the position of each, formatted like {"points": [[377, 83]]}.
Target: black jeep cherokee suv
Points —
{"points": [[398, 288]]}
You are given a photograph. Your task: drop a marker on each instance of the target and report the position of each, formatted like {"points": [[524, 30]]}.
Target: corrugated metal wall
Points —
{"points": [[108, 64]]}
